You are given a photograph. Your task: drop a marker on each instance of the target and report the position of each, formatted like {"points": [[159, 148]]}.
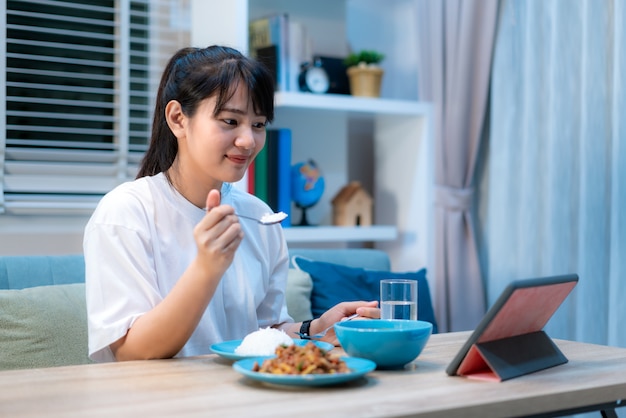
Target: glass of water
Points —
{"points": [[398, 299]]}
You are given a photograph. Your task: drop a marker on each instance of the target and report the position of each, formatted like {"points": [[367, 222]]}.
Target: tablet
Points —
{"points": [[509, 341]]}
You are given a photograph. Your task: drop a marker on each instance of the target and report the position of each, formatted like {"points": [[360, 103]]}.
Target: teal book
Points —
{"points": [[260, 175]]}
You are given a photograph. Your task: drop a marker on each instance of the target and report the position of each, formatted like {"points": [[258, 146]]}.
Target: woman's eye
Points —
{"points": [[260, 125], [231, 122]]}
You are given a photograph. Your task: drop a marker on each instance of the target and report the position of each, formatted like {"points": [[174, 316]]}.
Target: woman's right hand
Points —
{"points": [[217, 235]]}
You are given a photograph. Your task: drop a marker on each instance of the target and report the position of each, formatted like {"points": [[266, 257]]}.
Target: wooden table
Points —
{"points": [[208, 386]]}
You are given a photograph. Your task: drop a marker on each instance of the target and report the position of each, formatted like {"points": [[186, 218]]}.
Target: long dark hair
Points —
{"points": [[195, 74]]}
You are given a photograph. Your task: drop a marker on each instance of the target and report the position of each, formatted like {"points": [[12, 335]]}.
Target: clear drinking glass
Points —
{"points": [[398, 299]]}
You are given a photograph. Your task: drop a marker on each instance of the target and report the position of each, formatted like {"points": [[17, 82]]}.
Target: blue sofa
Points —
{"points": [[20, 272], [43, 320]]}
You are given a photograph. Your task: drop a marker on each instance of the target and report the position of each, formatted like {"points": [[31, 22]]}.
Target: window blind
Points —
{"points": [[80, 79]]}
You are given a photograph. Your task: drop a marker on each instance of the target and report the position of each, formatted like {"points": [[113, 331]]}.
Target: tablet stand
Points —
{"points": [[511, 357]]}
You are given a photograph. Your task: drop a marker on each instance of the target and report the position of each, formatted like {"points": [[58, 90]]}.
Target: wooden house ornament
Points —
{"points": [[352, 206]]}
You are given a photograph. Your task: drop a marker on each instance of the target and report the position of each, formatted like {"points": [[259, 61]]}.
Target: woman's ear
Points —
{"points": [[175, 118]]}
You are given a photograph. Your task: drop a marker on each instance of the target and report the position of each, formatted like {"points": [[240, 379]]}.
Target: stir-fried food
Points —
{"points": [[307, 359]]}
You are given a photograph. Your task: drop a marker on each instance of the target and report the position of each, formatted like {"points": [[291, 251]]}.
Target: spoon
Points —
{"points": [[321, 334], [268, 218]]}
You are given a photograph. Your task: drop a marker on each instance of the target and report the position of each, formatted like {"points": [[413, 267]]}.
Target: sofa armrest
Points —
{"points": [[43, 326]]}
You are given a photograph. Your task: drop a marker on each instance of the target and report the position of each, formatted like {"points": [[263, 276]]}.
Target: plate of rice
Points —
{"points": [[261, 343]]}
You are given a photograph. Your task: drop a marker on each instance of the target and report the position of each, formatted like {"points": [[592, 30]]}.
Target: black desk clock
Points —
{"points": [[313, 78]]}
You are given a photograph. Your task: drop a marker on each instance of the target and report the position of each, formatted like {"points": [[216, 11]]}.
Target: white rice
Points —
{"points": [[263, 342], [273, 217]]}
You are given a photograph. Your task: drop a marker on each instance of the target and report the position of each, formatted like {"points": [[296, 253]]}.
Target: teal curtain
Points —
{"points": [[555, 182]]}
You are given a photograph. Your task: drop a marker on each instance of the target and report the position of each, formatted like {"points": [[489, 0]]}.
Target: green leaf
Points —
{"points": [[366, 56]]}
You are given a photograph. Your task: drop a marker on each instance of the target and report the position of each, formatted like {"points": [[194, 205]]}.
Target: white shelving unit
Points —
{"points": [[296, 111], [386, 141], [354, 106]]}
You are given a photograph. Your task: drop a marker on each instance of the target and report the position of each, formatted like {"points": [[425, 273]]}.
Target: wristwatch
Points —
{"points": [[304, 329]]}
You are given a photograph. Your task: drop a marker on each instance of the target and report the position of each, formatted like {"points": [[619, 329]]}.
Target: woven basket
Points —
{"points": [[365, 81]]}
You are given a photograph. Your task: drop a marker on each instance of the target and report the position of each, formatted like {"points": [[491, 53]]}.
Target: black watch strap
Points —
{"points": [[304, 329]]}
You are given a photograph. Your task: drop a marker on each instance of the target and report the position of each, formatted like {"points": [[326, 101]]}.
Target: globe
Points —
{"points": [[307, 186]]}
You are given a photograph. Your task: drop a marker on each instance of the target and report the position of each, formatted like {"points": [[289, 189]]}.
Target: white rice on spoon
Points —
{"points": [[263, 342], [270, 218]]}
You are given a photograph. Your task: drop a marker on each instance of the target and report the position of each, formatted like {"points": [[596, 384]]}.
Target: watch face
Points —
{"points": [[317, 80]]}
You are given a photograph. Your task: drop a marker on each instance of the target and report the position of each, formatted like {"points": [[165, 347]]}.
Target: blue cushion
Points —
{"points": [[334, 283]]}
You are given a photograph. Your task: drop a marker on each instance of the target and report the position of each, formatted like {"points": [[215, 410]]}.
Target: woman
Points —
{"points": [[170, 268]]}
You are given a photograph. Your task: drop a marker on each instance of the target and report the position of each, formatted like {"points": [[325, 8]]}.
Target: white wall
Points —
{"points": [[41, 235]]}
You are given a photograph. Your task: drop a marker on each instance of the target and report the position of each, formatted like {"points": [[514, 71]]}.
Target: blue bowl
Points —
{"points": [[389, 343]]}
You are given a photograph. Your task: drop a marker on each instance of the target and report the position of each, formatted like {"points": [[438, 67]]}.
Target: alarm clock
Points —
{"points": [[313, 78]]}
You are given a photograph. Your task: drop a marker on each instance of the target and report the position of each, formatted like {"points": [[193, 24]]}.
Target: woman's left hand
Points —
{"points": [[339, 313]]}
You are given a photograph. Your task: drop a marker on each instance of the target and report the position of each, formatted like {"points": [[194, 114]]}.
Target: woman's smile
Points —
{"points": [[238, 158]]}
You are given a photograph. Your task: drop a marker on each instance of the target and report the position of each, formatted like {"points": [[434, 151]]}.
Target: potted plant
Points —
{"points": [[364, 74]]}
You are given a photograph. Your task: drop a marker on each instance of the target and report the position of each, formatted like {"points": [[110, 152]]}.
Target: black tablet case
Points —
{"points": [[510, 341]]}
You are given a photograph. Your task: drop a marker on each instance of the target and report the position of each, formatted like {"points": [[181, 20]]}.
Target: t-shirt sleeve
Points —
{"points": [[120, 277]]}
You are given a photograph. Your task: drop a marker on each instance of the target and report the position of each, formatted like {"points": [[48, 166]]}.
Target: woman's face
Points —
{"points": [[216, 149]]}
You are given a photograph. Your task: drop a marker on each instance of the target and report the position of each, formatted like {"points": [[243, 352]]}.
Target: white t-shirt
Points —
{"points": [[139, 241]]}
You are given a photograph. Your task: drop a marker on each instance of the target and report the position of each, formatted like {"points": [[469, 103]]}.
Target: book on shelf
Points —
{"points": [[283, 45], [272, 173], [299, 52], [249, 178], [268, 37], [284, 174], [260, 175], [268, 56]]}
